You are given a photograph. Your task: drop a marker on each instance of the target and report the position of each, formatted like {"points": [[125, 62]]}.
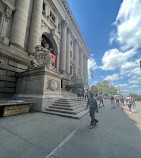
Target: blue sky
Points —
{"points": [[112, 30]]}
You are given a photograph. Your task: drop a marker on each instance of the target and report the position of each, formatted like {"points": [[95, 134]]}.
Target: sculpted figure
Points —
{"points": [[42, 57]]}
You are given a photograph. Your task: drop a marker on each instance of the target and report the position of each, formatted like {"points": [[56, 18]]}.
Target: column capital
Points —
{"points": [[69, 30], [81, 50], [85, 56], [63, 23], [75, 42]]}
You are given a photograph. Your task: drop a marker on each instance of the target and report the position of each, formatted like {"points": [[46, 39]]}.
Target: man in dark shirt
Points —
{"points": [[113, 102], [122, 102], [92, 104]]}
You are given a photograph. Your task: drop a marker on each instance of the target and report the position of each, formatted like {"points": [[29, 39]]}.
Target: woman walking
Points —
{"points": [[133, 103]]}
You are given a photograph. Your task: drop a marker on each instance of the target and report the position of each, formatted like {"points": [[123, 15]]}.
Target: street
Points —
{"points": [[116, 136], [39, 135]]}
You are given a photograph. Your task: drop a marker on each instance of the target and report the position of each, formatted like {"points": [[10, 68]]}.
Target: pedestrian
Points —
{"points": [[79, 93], [113, 102], [92, 104], [101, 100], [83, 92], [117, 101], [126, 101], [133, 103], [122, 102], [130, 105], [86, 93]]}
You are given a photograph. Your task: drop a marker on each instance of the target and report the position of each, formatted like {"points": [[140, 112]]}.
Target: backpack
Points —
{"points": [[92, 103]]}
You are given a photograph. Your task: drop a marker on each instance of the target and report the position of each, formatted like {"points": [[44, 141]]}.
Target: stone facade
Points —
{"points": [[24, 24]]}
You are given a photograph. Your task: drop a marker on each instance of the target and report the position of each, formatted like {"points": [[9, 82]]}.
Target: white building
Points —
{"points": [[24, 24]]}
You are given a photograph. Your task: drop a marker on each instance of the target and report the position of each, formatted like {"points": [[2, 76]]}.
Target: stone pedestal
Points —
{"points": [[42, 85]]}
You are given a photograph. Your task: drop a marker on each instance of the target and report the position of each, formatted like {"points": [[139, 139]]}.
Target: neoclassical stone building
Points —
{"points": [[24, 24]]}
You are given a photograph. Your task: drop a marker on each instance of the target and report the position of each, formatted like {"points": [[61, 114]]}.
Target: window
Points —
{"points": [[59, 26], [71, 42], [0, 21], [52, 16], [0, 17], [44, 6], [71, 54], [70, 70]]}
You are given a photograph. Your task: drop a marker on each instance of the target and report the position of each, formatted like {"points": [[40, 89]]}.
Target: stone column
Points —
{"points": [[68, 52], [63, 47], [58, 60], [34, 38], [4, 28], [86, 71], [20, 23], [81, 64], [84, 74], [75, 54]]}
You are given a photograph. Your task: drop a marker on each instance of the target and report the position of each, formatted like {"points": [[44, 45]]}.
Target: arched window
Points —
{"points": [[45, 41]]}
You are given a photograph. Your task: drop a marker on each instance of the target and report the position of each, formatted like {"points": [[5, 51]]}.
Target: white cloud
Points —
{"points": [[131, 68], [91, 65], [121, 85], [94, 82], [112, 77], [128, 23], [138, 92], [135, 80], [114, 59], [92, 55], [134, 86]]}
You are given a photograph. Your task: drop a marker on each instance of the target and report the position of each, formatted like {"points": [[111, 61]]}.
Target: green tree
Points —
{"points": [[106, 88]]}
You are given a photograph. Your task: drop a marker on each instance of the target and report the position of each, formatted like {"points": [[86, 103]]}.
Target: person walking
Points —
{"points": [[130, 105], [86, 93], [133, 103], [101, 100], [79, 93], [83, 92], [117, 101], [122, 102], [113, 102], [92, 104]]}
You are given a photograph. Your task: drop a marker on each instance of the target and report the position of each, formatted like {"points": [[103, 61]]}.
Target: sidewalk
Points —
{"points": [[115, 136], [33, 135], [39, 135]]}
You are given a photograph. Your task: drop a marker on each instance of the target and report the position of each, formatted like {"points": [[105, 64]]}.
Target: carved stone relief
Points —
{"points": [[42, 57], [53, 85]]}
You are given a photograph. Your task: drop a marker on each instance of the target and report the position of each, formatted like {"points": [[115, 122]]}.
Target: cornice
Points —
{"points": [[74, 23]]}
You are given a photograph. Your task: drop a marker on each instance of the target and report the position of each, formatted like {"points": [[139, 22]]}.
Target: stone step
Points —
{"points": [[68, 102], [72, 100], [65, 105], [77, 116], [68, 105], [76, 111], [67, 108]]}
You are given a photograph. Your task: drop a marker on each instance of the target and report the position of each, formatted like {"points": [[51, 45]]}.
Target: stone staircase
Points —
{"points": [[68, 107]]}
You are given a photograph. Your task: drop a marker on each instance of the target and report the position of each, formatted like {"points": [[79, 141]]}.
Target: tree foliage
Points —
{"points": [[106, 88], [137, 97]]}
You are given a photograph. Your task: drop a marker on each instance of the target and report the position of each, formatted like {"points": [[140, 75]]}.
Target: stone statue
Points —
{"points": [[41, 57]]}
